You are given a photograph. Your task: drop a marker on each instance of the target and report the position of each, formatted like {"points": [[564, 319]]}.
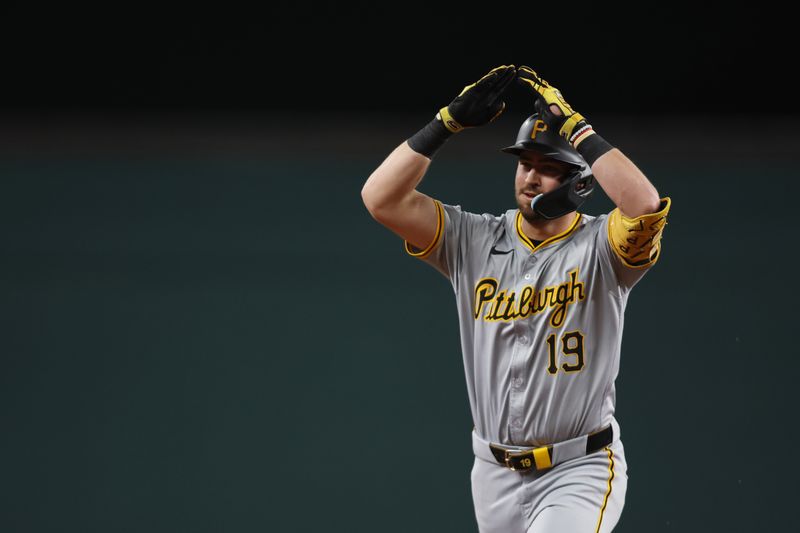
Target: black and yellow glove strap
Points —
{"points": [[447, 119]]}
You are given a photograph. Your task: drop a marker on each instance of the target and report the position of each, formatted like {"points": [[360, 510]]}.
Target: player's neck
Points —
{"points": [[543, 229]]}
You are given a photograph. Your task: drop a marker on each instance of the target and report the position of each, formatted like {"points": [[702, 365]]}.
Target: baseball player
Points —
{"points": [[541, 291]]}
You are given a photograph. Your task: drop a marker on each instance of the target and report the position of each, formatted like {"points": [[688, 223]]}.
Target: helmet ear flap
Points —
{"points": [[569, 175]]}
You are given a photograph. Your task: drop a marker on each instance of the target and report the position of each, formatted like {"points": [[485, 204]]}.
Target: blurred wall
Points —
{"points": [[205, 330]]}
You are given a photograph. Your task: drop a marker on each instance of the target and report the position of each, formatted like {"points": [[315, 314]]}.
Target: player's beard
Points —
{"points": [[525, 208]]}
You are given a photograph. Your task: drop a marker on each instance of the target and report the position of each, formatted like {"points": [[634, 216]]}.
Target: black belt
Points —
{"points": [[542, 458]]}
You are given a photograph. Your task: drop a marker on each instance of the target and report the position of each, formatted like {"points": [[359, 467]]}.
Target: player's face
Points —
{"points": [[536, 174]]}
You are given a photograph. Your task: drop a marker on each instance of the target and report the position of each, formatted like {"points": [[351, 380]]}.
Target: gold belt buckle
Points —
{"points": [[526, 463]]}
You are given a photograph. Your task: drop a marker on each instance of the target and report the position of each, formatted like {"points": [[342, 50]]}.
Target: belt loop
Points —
{"points": [[543, 458]]}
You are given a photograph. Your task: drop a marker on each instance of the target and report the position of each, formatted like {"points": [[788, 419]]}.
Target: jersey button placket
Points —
{"points": [[516, 399], [515, 396]]}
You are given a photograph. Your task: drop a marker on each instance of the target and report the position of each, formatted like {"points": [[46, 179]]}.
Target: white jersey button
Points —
{"points": [[527, 276], [518, 382], [523, 340]]}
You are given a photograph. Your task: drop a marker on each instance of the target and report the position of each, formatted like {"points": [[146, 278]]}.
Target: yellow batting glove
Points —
{"points": [[571, 125]]}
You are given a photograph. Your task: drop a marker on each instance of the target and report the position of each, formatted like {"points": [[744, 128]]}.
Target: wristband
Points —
{"points": [[589, 144], [430, 138]]}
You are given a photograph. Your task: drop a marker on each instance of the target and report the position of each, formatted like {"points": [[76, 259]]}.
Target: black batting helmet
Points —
{"points": [[577, 185], [534, 134]]}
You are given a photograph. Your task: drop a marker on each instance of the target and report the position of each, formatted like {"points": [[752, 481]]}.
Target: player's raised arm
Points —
{"points": [[390, 193], [391, 197], [622, 181]]}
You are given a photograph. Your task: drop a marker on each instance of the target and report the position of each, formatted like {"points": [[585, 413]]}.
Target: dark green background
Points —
{"points": [[205, 330]]}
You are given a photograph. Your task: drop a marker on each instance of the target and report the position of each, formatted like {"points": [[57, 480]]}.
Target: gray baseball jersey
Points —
{"points": [[541, 326]]}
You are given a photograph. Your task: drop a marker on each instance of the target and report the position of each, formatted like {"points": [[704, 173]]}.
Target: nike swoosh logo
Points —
{"points": [[495, 251]]}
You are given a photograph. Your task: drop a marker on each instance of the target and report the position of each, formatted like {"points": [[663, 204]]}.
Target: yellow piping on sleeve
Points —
{"points": [[436, 238]]}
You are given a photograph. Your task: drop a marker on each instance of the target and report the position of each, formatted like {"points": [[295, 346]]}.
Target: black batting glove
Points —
{"points": [[480, 102], [476, 105]]}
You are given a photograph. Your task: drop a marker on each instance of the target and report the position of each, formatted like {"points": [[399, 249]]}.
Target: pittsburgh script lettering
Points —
{"points": [[503, 304]]}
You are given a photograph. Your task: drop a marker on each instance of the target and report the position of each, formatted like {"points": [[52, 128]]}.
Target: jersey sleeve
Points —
{"points": [[454, 230], [631, 246]]}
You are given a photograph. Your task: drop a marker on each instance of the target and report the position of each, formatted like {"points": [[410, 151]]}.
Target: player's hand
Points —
{"points": [[479, 103], [550, 104]]}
